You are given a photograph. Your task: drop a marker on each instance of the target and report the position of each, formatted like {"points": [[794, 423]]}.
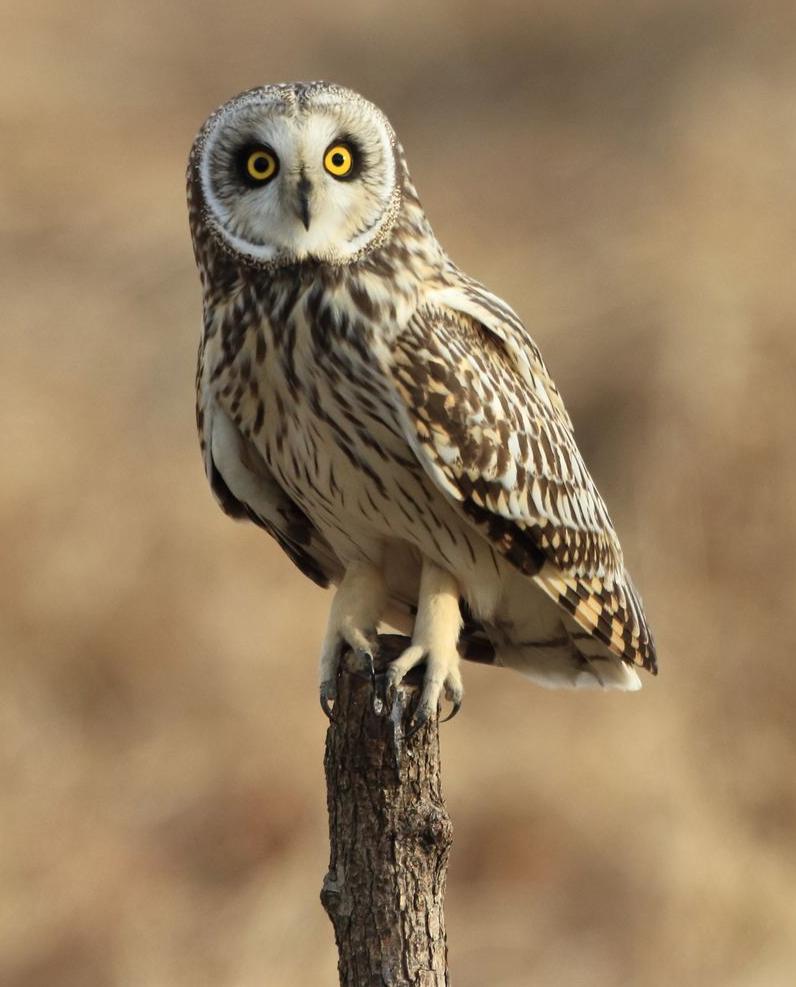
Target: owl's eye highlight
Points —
{"points": [[339, 160], [260, 164]]}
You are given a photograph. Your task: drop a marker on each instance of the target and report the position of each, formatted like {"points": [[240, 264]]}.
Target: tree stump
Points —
{"points": [[390, 835]]}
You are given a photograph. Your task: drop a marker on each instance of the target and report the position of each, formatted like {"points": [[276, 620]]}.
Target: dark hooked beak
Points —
{"points": [[304, 188]]}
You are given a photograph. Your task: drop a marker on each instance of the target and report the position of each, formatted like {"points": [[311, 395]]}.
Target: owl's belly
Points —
{"points": [[359, 482]]}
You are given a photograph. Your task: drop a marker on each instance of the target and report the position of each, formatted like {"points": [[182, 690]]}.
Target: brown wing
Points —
{"points": [[489, 427]]}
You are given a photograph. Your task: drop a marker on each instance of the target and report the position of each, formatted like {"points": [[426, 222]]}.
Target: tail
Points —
{"points": [[565, 665], [548, 647]]}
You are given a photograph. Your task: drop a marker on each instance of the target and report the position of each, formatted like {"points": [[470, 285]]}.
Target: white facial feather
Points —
{"points": [[265, 223]]}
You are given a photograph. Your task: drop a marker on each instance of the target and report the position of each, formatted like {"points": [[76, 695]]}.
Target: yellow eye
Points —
{"points": [[261, 165], [339, 160]]}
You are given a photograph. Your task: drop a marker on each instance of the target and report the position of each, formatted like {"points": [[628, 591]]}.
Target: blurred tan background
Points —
{"points": [[624, 175]]}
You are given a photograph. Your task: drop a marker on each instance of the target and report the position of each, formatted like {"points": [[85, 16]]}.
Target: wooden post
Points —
{"points": [[390, 836]]}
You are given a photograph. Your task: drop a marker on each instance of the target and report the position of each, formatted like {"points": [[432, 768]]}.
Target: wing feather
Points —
{"points": [[489, 426]]}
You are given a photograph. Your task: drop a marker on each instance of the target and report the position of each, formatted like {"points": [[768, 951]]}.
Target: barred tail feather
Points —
{"points": [[611, 613]]}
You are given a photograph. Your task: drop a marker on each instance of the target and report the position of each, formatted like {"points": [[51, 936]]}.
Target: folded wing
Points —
{"points": [[488, 425]]}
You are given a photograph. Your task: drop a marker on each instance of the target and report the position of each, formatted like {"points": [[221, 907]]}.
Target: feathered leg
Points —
{"points": [[435, 639], [356, 609]]}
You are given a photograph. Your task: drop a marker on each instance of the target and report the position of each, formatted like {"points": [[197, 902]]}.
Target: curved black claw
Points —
{"points": [[366, 656], [457, 705], [388, 691], [328, 697]]}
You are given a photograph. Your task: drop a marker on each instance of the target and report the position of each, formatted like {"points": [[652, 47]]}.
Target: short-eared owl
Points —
{"points": [[386, 418]]}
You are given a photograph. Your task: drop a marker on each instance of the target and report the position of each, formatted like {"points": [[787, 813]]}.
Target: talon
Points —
{"points": [[354, 616], [392, 679], [366, 655], [328, 697], [454, 691]]}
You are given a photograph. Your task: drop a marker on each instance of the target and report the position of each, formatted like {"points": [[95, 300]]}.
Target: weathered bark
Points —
{"points": [[390, 837]]}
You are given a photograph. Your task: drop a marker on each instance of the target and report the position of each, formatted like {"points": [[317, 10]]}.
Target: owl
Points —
{"points": [[385, 417]]}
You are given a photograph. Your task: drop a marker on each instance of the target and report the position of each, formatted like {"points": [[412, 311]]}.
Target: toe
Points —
{"points": [[407, 660], [328, 697], [366, 661], [428, 707], [362, 642], [454, 692], [428, 704], [457, 705], [441, 674]]}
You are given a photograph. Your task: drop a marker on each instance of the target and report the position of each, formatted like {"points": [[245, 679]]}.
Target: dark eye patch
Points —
{"points": [[255, 164], [359, 160]]}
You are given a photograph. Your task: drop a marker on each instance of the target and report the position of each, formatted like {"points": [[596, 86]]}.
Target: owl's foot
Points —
{"points": [[365, 656], [434, 641], [356, 609]]}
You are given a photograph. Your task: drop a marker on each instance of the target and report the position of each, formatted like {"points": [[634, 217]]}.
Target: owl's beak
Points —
{"points": [[303, 189]]}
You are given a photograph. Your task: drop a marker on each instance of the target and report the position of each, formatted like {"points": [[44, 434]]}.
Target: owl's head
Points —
{"points": [[296, 171]]}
